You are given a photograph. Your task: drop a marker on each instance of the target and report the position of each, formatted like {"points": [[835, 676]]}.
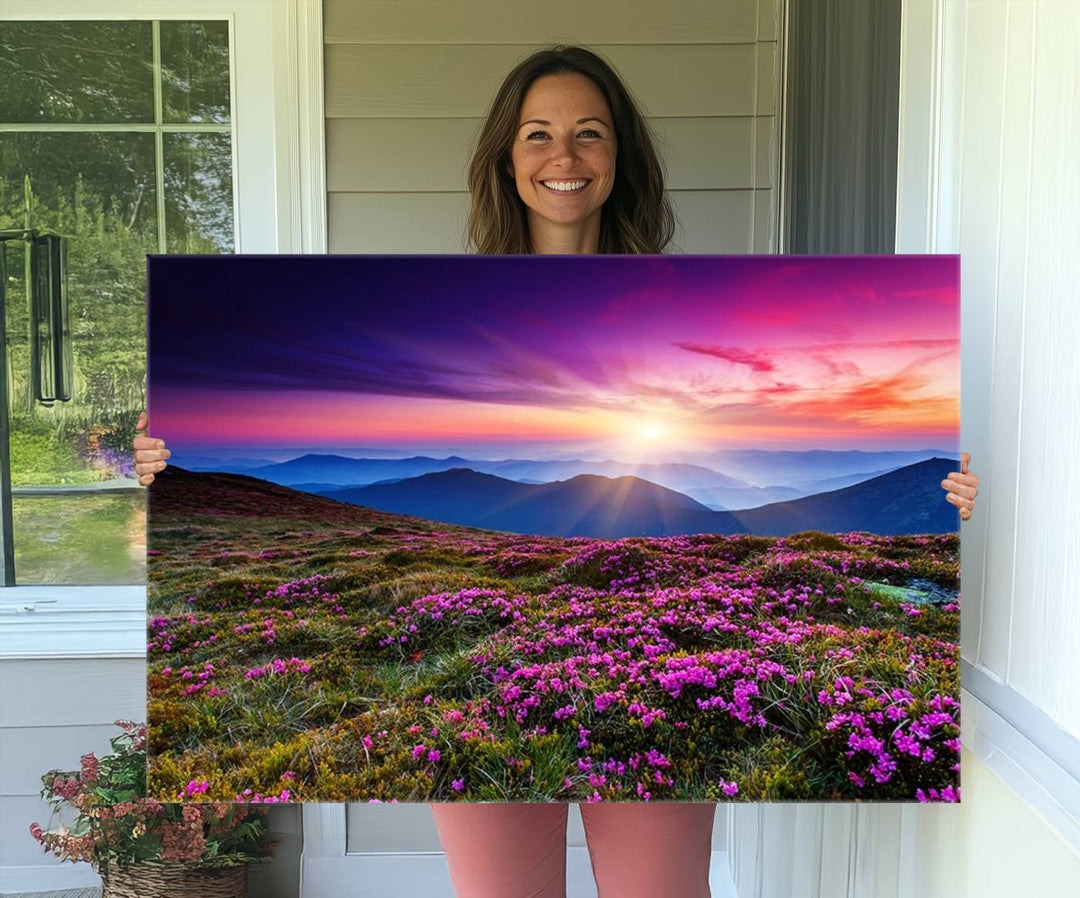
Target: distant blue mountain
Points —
{"points": [[586, 505], [908, 500], [336, 469], [802, 468]]}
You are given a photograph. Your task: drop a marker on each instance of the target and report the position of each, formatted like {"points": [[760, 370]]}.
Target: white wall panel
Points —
{"points": [[1007, 191], [1045, 643], [71, 692]]}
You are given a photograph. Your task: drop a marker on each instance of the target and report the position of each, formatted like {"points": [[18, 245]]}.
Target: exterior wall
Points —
{"points": [[53, 712], [408, 82], [990, 122], [992, 845]]}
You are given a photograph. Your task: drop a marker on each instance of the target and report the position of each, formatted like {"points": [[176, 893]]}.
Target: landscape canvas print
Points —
{"points": [[596, 528]]}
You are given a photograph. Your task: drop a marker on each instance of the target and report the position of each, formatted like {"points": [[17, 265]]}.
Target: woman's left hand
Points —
{"points": [[962, 487]]}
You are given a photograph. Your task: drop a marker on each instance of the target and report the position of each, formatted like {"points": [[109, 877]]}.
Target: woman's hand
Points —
{"points": [[150, 454], [962, 487]]}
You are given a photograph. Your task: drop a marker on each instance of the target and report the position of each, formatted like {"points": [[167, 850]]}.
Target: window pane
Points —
{"points": [[98, 191], [81, 539], [76, 72], [195, 71], [198, 193]]}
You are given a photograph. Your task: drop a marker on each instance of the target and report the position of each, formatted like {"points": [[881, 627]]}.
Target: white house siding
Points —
{"points": [[53, 712]]}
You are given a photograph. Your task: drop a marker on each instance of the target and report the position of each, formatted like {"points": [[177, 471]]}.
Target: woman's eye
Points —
{"points": [[589, 132], [536, 135]]}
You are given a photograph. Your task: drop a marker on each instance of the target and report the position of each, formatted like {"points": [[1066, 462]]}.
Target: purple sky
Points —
{"points": [[632, 356]]}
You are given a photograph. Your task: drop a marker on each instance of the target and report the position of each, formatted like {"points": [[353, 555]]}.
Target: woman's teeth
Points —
{"points": [[564, 186]]}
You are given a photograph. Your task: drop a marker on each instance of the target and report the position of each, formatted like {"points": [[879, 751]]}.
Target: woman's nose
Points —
{"points": [[564, 150]]}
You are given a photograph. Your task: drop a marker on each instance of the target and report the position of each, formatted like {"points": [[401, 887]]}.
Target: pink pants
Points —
{"points": [[518, 850]]}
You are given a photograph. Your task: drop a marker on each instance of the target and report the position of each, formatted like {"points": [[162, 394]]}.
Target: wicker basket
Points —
{"points": [[154, 880]]}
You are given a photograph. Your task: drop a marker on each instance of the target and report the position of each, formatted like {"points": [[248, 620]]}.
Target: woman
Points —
{"points": [[565, 164]]}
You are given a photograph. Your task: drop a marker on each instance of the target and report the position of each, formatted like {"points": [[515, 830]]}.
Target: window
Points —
{"points": [[275, 92], [117, 136]]}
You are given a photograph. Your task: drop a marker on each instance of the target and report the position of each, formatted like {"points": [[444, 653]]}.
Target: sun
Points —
{"points": [[650, 431]]}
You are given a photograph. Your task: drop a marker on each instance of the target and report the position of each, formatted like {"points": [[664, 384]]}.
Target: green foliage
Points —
{"points": [[116, 824]]}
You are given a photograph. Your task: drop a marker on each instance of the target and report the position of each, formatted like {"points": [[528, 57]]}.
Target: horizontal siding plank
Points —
{"points": [[707, 153], [399, 154], [713, 221], [28, 752], [768, 28], [397, 222], [710, 221], [391, 827], [460, 80], [72, 692], [432, 154], [17, 846], [516, 22]]}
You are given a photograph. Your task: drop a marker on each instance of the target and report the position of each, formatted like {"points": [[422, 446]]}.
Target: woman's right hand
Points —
{"points": [[150, 454]]}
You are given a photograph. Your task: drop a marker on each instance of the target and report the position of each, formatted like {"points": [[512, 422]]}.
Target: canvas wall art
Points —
{"points": [[554, 529]]}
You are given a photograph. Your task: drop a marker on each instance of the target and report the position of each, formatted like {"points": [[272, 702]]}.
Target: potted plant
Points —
{"points": [[143, 847]]}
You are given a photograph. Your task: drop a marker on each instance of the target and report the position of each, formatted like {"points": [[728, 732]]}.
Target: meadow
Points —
{"points": [[300, 649]]}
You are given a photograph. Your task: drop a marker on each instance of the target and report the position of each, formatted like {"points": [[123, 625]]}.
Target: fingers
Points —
{"points": [[960, 501], [962, 488], [963, 485], [150, 453], [148, 466]]}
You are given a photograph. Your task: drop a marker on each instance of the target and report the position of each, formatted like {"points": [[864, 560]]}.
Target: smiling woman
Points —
{"points": [[563, 162], [560, 118]]}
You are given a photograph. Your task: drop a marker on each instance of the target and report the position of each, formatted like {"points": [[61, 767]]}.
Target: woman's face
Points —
{"points": [[563, 155]]}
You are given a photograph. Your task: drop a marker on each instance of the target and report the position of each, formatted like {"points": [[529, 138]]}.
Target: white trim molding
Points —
{"points": [[1046, 773], [38, 622], [298, 28]]}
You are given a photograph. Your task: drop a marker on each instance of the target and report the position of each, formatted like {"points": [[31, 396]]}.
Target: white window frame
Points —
{"points": [[276, 50]]}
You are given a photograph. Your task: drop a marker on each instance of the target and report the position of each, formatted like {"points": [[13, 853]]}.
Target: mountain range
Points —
{"points": [[907, 500], [765, 476]]}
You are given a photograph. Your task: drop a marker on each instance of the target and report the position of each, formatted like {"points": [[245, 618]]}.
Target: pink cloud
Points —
{"points": [[756, 361]]}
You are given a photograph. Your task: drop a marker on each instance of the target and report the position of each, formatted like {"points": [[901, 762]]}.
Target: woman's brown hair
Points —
{"points": [[637, 216]]}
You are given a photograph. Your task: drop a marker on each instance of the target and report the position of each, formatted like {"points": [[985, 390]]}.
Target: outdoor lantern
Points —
{"points": [[51, 355], [51, 360]]}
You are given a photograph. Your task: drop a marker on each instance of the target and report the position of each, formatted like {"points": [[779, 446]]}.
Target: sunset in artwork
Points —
{"points": [[673, 357]]}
